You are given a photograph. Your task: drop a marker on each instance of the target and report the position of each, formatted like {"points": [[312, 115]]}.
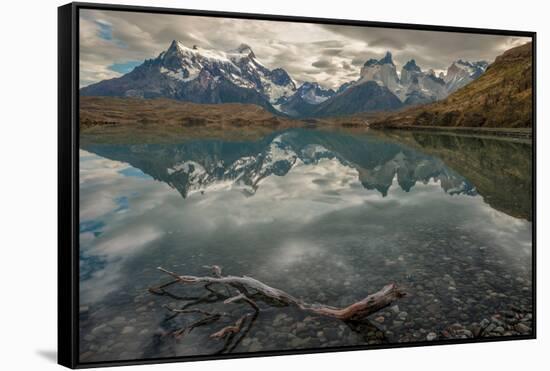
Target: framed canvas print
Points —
{"points": [[236, 185]]}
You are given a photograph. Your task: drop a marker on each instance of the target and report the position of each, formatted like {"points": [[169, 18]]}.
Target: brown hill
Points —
{"points": [[97, 111], [110, 119], [501, 97]]}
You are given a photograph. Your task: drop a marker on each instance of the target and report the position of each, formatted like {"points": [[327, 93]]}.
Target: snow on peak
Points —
{"points": [[383, 72], [462, 72], [313, 93], [244, 49], [238, 66], [241, 67]]}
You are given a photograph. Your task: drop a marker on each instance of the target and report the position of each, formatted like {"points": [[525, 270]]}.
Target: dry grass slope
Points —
{"points": [[112, 111], [166, 120]]}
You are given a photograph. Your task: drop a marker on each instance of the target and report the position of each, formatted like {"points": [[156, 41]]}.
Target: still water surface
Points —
{"points": [[326, 216]]}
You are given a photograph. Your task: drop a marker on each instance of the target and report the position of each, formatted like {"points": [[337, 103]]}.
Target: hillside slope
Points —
{"points": [[366, 97], [161, 119], [501, 97]]}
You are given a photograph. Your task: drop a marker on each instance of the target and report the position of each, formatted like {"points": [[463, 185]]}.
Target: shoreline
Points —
{"points": [[518, 133]]}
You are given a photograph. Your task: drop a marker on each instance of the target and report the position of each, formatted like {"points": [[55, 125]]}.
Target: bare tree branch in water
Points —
{"points": [[179, 334], [229, 330], [249, 290]]}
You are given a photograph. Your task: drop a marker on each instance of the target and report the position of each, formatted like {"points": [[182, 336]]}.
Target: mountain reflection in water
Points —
{"points": [[327, 216], [200, 165]]}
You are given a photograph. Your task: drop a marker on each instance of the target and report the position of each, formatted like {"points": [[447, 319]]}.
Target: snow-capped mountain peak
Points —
{"points": [[462, 72], [383, 72], [244, 49], [196, 53], [313, 93], [203, 75], [239, 66], [414, 86]]}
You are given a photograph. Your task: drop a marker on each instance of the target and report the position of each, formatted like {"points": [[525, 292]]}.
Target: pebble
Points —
{"points": [[331, 333], [103, 328], [433, 307], [298, 343], [117, 321], [127, 330], [490, 327], [476, 329], [397, 323], [499, 330], [522, 328], [431, 336], [279, 319]]}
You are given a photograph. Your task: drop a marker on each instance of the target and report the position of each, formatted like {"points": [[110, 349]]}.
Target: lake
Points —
{"points": [[328, 216]]}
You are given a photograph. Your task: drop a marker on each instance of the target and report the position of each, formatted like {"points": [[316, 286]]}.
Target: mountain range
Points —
{"points": [[199, 75], [500, 97]]}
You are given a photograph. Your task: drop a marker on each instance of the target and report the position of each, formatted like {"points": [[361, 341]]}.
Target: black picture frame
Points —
{"points": [[68, 177]]}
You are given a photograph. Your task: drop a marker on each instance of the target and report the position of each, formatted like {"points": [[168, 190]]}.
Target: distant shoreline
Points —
{"points": [[165, 117], [521, 133]]}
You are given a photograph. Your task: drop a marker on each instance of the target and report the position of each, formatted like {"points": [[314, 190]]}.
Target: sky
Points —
{"points": [[113, 43]]}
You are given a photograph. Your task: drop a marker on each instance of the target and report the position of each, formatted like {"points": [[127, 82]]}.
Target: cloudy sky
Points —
{"points": [[112, 43]]}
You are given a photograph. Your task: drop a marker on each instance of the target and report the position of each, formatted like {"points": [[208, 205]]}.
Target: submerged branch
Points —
{"points": [[230, 330], [179, 334], [353, 312], [248, 290]]}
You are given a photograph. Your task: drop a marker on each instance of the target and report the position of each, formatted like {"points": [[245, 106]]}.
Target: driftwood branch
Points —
{"points": [[246, 299], [355, 311], [242, 289], [228, 330], [216, 270], [194, 310], [179, 334]]}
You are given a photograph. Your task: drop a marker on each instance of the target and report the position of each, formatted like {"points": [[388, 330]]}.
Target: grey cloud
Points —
{"points": [[437, 49], [322, 63], [332, 51], [388, 43], [306, 51], [329, 44], [347, 66], [360, 59]]}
